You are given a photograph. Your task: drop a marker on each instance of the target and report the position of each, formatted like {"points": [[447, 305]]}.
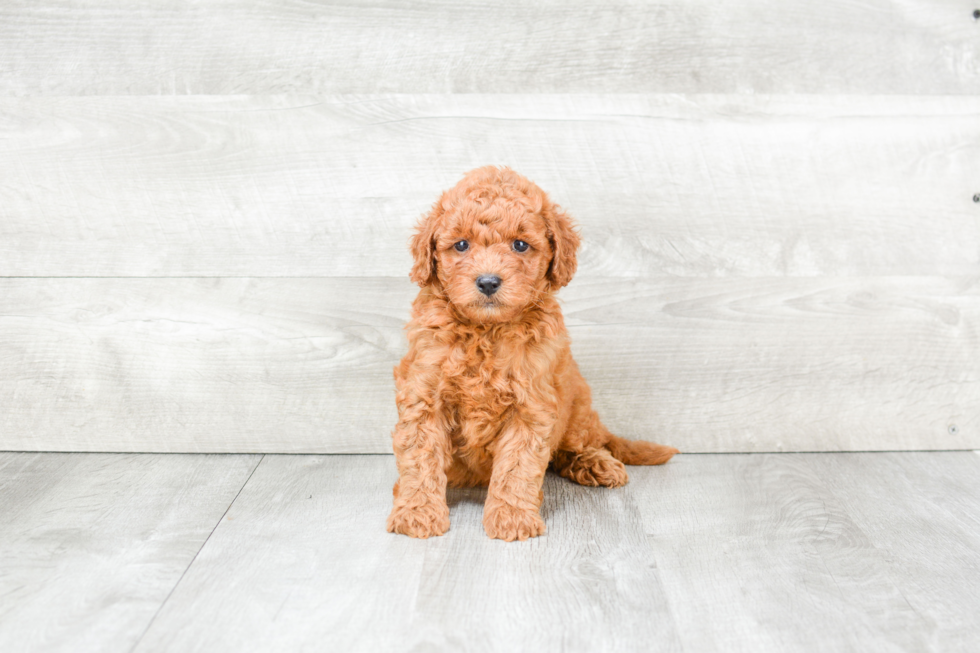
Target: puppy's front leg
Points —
{"points": [[422, 453], [520, 461]]}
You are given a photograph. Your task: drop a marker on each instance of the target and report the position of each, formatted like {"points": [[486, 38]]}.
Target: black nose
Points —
{"points": [[488, 284]]}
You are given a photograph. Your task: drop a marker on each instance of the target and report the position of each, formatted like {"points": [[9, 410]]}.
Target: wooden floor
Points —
{"points": [[721, 552]]}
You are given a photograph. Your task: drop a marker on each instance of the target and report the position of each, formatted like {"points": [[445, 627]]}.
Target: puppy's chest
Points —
{"points": [[485, 379]]}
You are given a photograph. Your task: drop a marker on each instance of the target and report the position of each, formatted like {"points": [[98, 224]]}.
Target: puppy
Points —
{"points": [[488, 393]]}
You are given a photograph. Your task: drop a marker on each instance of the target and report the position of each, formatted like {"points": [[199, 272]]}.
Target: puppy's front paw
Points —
{"points": [[422, 522], [505, 522]]}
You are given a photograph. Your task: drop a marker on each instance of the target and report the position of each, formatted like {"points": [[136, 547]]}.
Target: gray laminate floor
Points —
{"points": [[761, 552]]}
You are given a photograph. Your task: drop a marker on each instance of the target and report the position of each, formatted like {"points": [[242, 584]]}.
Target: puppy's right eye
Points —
{"points": [[462, 246]]}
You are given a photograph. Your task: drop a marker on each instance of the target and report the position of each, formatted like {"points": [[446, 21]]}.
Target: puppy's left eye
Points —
{"points": [[520, 246]]}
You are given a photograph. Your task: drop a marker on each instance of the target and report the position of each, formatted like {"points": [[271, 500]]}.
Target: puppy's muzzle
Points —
{"points": [[488, 284]]}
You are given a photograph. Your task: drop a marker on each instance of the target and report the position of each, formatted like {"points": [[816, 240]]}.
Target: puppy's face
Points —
{"points": [[492, 260], [495, 244]]}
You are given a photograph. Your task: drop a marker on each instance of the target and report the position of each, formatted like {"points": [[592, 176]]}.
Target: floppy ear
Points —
{"points": [[423, 246], [564, 242]]}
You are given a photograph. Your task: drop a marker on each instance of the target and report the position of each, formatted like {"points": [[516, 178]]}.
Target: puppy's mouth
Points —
{"points": [[487, 304]]}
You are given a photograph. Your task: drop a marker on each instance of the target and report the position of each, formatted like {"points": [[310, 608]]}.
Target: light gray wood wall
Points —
{"points": [[154, 47], [662, 185], [204, 212], [752, 364]]}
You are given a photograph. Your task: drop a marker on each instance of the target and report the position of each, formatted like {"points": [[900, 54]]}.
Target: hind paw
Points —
{"points": [[607, 473], [594, 467]]}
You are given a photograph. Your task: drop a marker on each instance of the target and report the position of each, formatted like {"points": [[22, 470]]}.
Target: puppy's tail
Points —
{"points": [[638, 452]]}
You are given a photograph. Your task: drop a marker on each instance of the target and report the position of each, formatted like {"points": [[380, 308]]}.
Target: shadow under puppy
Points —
{"points": [[488, 393]]}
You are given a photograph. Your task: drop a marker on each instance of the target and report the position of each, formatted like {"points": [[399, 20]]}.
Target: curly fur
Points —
{"points": [[488, 393]]}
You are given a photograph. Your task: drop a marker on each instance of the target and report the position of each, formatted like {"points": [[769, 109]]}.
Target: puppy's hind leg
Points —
{"points": [[582, 456], [593, 467], [591, 455]]}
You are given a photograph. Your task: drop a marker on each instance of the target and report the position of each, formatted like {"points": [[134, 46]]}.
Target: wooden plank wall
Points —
{"points": [[204, 209]]}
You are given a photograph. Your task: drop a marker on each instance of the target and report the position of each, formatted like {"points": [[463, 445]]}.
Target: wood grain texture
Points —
{"points": [[802, 552], [91, 545], [703, 186], [304, 365], [760, 46], [302, 562], [197, 365], [928, 538], [821, 552], [829, 364]]}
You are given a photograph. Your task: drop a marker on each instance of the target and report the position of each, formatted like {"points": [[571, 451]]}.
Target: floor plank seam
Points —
{"points": [[173, 589], [668, 600]]}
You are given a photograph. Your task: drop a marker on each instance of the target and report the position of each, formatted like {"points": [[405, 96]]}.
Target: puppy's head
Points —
{"points": [[495, 244]]}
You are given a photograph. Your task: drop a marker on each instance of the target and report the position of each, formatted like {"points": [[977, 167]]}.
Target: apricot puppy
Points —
{"points": [[488, 393]]}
